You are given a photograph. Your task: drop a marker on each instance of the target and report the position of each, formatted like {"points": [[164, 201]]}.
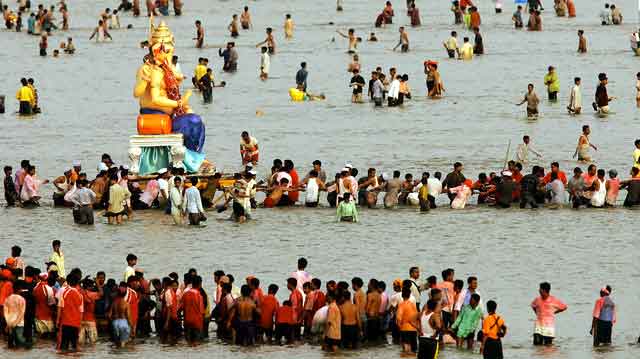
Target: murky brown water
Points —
{"points": [[88, 110]]}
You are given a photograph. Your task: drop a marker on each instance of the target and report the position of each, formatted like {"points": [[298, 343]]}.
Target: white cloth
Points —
{"points": [[575, 98], [192, 200], [394, 89], [265, 62], [397, 299], [434, 186], [176, 201], [598, 198], [313, 191]]}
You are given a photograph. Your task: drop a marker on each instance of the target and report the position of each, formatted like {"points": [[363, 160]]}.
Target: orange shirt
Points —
{"points": [[6, 289], [319, 301], [296, 305], [475, 19], [257, 296], [447, 295], [284, 315], [295, 180], [71, 303], [406, 315], [194, 311], [491, 325], [268, 308], [42, 296]]}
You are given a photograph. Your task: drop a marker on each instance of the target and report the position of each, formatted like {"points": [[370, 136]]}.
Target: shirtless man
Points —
{"points": [[353, 40], [351, 324], [392, 188], [245, 19], [120, 316], [199, 35], [582, 42], [269, 41], [403, 43], [372, 309], [582, 150], [233, 26], [243, 311], [368, 189]]}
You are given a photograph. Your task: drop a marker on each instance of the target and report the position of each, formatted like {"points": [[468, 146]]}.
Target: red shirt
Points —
{"points": [[319, 302], [561, 176], [257, 296], [89, 314], [517, 178], [295, 180], [284, 315], [5, 291], [41, 296], [170, 303], [132, 299], [296, 305], [71, 304], [194, 311], [268, 308]]}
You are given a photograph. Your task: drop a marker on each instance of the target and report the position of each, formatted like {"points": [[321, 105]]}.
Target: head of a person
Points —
{"points": [[545, 290], [586, 129], [602, 77], [492, 306], [303, 65], [132, 259], [356, 283], [198, 23], [458, 167], [592, 170], [56, 245], [465, 39], [472, 282], [601, 173], [530, 87], [475, 300], [292, 283], [414, 272], [577, 172], [613, 174]]}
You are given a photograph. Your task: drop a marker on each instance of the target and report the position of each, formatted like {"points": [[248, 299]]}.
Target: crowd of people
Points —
{"points": [[75, 309], [187, 197]]}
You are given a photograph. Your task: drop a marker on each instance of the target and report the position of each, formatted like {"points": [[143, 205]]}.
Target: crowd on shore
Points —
{"points": [[186, 197], [75, 309]]}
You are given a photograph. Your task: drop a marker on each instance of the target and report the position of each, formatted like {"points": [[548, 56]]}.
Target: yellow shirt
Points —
{"points": [[25, 94], [636, 157], [200, 71], [466, 51]]}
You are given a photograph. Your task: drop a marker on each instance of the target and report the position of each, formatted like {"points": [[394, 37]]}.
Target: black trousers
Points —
{"points": [[492, 349], [528, 199], [428, 348], [25, 108], [602, 332], [69, 338]]}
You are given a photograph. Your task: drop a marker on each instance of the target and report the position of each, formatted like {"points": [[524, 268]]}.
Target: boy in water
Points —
{"points": [[288, 27], [233, 26], [582, 42], [10, 193], [265, 63], [199, 35]]}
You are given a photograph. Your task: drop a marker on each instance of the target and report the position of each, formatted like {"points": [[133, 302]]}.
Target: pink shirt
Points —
{"points": [[14, 311], [546, 310], [302, 277], [384, 302], [29, 188]]}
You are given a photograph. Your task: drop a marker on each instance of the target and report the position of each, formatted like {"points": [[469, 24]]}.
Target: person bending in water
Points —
{"points": [[353, 40]]}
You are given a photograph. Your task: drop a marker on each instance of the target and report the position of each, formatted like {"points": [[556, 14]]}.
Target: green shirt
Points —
{"points": [[552, 82], [347, 209], [468, 320]]}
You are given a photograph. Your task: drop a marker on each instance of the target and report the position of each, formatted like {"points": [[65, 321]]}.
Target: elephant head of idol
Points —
{"points": [[161, 43]]}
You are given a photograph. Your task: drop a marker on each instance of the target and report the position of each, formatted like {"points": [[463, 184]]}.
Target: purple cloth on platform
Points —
{"points": [[191, 127]]}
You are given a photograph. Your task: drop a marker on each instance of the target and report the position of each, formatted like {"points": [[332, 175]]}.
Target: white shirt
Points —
{"points": [[192, 201], [575, 99], [128, 273], [434, 186], [394, 89], [176, 200], [265, 62], [302, 277], [397, 299]]}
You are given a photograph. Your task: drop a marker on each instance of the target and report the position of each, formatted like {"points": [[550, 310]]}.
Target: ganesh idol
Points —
{"points": [[162, 109]]}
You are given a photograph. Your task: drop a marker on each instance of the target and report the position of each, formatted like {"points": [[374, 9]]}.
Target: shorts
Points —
{"points": [[331, 342], [553, 96], [451, 53], [404, 48], [429, 348], [245, 26], [44, 326], [311, 204], [192, 334], [350, 336], [602, 332], [430, 85], [542, 340], [121, 330], [377, 101], [238, 210], [88, 333], [409, 337], [113, 214], [492, 349], [532, 112]]}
